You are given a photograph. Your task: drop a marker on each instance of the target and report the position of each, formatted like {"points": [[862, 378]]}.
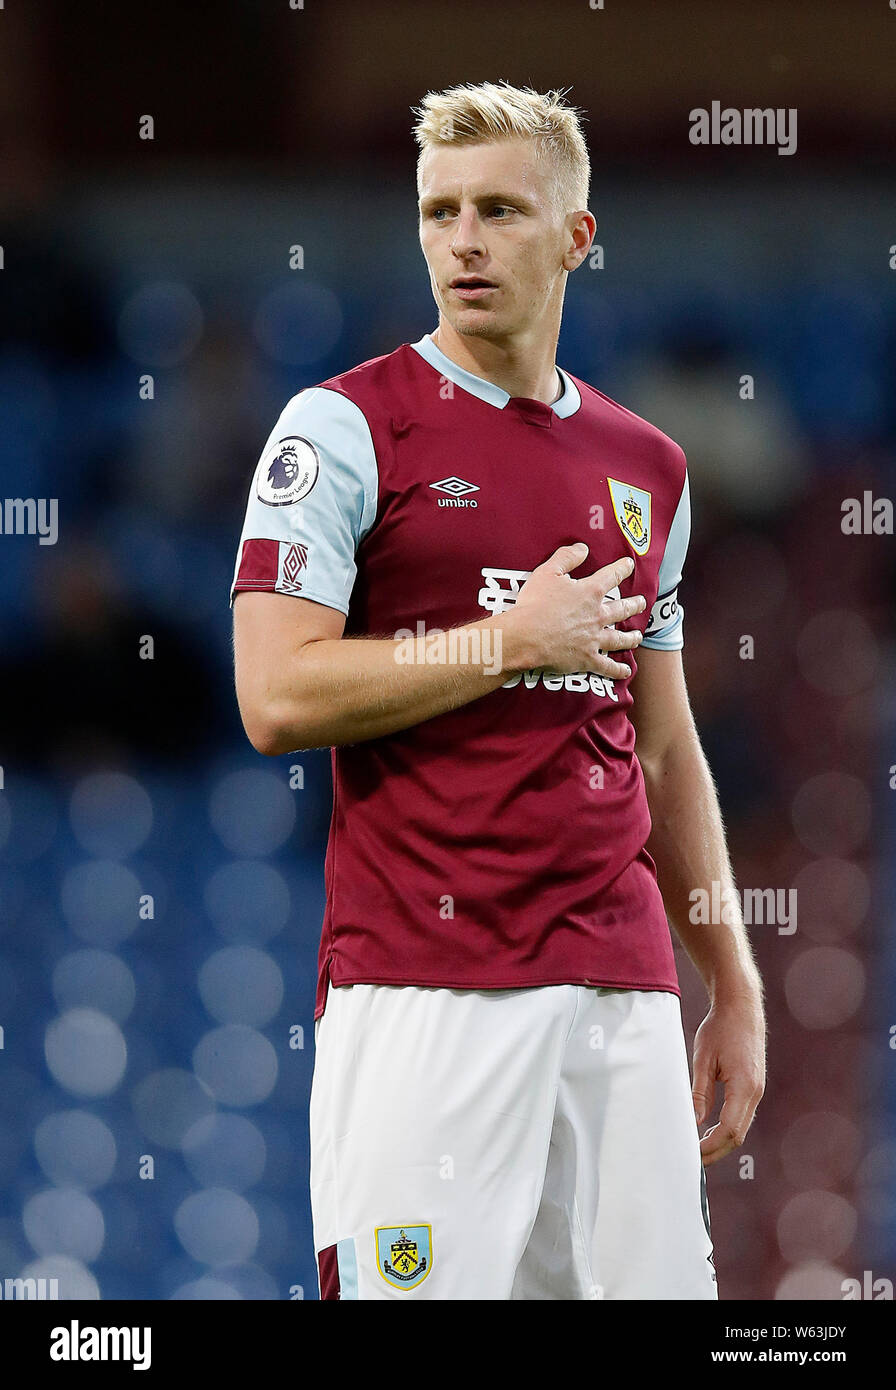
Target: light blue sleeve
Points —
{"points": [[312, 501], [665, 626]]}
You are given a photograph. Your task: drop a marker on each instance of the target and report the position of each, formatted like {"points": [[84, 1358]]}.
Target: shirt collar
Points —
{"points": [[566, 405]]}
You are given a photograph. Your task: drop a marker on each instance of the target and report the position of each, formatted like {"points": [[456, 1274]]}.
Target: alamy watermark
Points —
{"points": [[27, 1289], [31, 516], [765, 906], [461, 646], [86, 1343], [868, 1287], [726, 125]]}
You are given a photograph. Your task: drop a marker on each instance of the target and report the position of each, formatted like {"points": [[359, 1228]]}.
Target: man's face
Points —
{"points": [[493, 240]]}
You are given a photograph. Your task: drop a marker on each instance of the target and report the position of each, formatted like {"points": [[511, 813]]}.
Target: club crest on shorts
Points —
{"points": [[287, 472], [631, 507], [404, 1254]]}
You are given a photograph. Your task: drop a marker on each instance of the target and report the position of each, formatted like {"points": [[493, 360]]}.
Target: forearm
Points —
{"points": [[687, 843], [348, 690], [301, 683]]}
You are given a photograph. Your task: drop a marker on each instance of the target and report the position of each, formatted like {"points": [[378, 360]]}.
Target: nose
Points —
{"points": [[468, 235]]}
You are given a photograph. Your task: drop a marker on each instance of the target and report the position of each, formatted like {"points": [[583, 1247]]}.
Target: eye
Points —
{"points": [[500, 208]]}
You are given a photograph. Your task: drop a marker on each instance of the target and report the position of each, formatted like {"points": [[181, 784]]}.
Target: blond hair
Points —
{"points": [[472, 114]]}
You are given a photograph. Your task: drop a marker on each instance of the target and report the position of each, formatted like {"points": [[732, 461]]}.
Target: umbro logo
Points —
{"points": [[456, 488]]}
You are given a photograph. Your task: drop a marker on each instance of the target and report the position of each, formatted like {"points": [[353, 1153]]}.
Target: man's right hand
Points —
{"points": [[564, 624], [302, 684]]}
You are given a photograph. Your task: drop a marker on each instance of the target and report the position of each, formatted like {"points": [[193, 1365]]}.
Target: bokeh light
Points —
{"points": [[812, 1282], [100, 902], [831, 813], [64, 1220], [95, 979], [237, 1064], [253, 812], [160, 325], [167, 1102], [820, 1149], [834, 896], [298, 324], [111, 815], [250, 1281], [814, 648], [207, 1290], [85, 1052], [824, 986], [217, 1226], [816, 1225], [247, 901], [75, 1149], [241, 984], [225, 1151], [74, 1280]]}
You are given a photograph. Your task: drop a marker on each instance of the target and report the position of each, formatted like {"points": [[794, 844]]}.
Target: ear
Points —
{"points": [[581, 228]]}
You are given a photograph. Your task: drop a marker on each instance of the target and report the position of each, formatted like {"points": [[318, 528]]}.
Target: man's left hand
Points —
{"points": [[729, 1047]]}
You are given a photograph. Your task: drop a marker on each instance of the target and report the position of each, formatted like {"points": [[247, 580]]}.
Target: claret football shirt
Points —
{"points": [[500, 845]]}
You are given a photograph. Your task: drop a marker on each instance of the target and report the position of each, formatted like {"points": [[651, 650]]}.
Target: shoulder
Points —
{"points": [[350, 406], [640, 432], [377, 377]]}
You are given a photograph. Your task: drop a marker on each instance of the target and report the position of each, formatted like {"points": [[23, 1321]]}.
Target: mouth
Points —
{"points": [[472, 286]]}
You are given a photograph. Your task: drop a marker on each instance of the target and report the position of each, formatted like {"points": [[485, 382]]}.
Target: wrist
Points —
{"points": [[738, 983], [517, 647]]}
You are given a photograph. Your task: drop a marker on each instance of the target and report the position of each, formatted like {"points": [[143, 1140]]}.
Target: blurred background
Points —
{"points": [[161, 885]]}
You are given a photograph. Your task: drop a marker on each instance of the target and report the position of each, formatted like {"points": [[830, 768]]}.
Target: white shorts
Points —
{"points": [[506, 1144]]}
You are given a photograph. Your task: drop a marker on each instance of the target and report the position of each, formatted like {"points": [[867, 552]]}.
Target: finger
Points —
{"points": [[703, 1088], [606, 579], [567, 557], [613, 670], [735, 1119], [616, 610], [716, 1143], [604, 665], [738, 1109], [613, 639]]}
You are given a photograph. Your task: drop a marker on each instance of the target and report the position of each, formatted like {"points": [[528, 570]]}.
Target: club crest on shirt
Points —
{"points": [[631, 508], [404, 1254], [287, 472]]}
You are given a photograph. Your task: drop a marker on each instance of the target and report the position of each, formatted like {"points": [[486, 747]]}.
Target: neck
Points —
{"points": [[521, 369]]}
